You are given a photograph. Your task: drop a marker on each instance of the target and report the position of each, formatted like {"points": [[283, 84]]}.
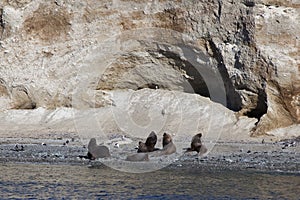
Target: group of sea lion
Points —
{"points": [[149, 145], [100, 151]]}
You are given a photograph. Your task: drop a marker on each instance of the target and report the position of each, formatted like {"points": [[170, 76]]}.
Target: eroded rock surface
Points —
{"points": [[242, 54]]}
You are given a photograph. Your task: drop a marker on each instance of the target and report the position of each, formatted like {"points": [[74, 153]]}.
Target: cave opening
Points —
{"points": [[198, 85], [197, 77], [261, 106]]}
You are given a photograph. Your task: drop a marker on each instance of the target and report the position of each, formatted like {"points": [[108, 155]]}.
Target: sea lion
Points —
{"points": [[196, 145], [142, 147], [151, 141], [97, 151], [138, 157], [166, 139], [149, 145], [168, 145]]}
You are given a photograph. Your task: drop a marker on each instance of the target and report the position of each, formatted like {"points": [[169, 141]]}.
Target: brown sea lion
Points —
{"points": [[151, 141], [166, 139], [138, 157], [196, 145], [97, 151], [142, 147], [149, 145], [168, 145]]}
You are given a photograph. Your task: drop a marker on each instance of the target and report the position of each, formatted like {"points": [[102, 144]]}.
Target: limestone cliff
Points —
{"points": [[243, 54]]}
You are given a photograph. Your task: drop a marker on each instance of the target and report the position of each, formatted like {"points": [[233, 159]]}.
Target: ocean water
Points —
{"points": [[40, 181]]}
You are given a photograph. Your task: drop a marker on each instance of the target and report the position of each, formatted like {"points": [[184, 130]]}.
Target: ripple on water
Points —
{"points": [[59, 181]]}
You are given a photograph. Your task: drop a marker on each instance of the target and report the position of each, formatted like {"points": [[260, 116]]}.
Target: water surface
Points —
{"points": [[65, 181]]}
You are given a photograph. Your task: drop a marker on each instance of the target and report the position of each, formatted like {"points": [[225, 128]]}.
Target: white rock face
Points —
{"points": [[83, 56], [135, 114], [12, 18]]}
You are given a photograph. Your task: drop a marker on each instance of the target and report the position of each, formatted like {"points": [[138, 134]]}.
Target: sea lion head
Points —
{"points": [[92, 144], [197, 138], [168, 145], [196, 143], [142, 147], [166, 139]]}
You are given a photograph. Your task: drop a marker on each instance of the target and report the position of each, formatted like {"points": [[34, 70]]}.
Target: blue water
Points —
{"points": [[36, 181]]}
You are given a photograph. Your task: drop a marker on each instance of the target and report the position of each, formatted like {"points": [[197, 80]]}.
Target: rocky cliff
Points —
{"points": [[242, 54]]}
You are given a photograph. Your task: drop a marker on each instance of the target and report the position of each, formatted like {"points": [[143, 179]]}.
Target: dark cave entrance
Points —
{"points": [[197, 83], [201, 78]]}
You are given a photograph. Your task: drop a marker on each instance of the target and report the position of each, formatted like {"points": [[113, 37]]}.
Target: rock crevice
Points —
{"points": [[50, 50]]}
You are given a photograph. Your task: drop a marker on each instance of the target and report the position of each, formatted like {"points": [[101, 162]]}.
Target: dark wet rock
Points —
{"points": [[293, 140], [88, 156], [287, 143], [18, 148], [66, 143]]}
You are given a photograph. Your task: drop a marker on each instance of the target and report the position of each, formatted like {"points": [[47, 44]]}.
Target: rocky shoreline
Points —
{"points": [[271, 157]]}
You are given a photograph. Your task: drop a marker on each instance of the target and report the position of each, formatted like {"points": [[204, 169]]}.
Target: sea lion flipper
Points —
{"points": [[187, 149]]}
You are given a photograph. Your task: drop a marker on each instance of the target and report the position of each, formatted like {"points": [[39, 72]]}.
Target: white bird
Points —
{"points": [[116, 145]]}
